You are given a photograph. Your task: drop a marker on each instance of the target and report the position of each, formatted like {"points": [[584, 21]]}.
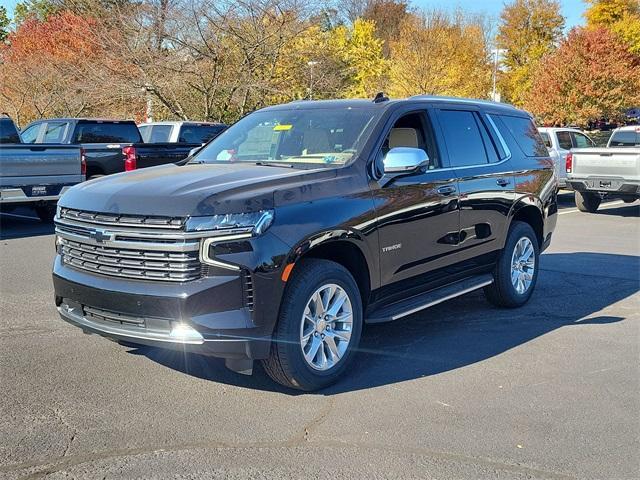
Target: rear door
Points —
{"points": [[481, 162]]}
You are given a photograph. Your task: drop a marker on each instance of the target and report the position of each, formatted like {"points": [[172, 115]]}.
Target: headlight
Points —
{"points": [[255, 222]]}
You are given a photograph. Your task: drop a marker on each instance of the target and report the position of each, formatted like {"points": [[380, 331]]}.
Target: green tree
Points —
{"points": [[528, 30], [38, 9], [592, 75], [4, 24]]}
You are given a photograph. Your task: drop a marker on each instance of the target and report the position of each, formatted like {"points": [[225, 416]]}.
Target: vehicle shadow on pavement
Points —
{"points": [[572, 291], [627, 211], [21, 224]]}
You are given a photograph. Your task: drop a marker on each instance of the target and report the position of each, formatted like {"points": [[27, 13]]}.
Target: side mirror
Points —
{"points": [[404, 159]]}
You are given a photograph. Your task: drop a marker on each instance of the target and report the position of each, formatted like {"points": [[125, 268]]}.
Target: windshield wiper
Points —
{"points": [[275, 164]]}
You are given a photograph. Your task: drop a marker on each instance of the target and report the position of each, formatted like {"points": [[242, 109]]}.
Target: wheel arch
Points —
{"points": [[528, 210], [346, 250]]}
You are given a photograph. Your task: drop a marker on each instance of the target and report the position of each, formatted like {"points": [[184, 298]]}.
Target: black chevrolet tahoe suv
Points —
{"points": [[301, 223]]}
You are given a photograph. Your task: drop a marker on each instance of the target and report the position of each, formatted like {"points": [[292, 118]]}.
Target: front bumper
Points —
{"points": [[207, 316]]}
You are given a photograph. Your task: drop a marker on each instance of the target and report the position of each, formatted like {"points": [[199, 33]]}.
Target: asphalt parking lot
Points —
{"points": [[463, 390]]}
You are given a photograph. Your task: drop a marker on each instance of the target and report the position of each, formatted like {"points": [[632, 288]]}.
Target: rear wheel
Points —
{"points": [[587, 202], [46, 212], [516, 272], [319, 326]]}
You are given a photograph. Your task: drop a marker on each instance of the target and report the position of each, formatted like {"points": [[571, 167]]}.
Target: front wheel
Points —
{"points": [[319, 326], [587, 202], [516, 272]]}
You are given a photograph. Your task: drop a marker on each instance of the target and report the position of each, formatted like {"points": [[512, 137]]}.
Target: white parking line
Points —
{"points": [[604, 206]]}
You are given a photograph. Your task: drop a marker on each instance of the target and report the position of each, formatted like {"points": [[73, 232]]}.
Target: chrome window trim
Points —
{"points": [[503, 144], [206, 244]]}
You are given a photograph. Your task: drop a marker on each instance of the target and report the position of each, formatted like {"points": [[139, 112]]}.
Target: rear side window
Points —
{"points": [[525, 134], [199, 133], [581, 141], [8, 132], [625, 138], [156, 133], [466, 137], [54, 132], [103, 132]]}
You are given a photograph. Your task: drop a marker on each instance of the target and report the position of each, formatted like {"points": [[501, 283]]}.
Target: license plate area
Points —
{"points": [[604, 185]]}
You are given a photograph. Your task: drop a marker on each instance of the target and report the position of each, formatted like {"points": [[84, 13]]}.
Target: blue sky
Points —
{"points": [[571, 9]]}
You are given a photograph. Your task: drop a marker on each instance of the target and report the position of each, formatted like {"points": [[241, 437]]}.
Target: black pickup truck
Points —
{"points": [[303, 222], [110, 146]]}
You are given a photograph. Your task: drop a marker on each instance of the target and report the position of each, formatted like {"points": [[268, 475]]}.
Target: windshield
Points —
{"points": [[316, 136]]}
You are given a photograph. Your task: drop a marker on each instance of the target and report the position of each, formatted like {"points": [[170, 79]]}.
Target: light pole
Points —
{"points": [[494, 92], [311, 64]]}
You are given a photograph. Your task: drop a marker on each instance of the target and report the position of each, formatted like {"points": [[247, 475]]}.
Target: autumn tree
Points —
{"points": [[528, 30], [591, 75], [388, 17], [48, 68], [440, 54], [620, 16]]}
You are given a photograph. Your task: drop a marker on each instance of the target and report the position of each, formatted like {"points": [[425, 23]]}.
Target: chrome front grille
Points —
{"points": [[127, 246]]}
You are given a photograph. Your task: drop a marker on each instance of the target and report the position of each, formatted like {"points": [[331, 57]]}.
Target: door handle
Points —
{"points": [[447, 190], [503, 182]]}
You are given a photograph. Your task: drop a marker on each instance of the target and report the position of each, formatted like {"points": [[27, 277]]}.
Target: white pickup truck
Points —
{"points": [[614, 171]]}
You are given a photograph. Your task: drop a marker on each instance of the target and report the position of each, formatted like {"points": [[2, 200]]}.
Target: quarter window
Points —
{"points": [[526, 135]]}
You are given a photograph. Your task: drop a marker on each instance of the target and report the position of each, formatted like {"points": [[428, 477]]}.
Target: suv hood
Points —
{"points": [[187, 190]]}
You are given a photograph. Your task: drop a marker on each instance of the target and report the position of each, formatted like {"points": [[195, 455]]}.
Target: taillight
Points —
{"points": [[83, 161], [129, 158], [568, 162]]}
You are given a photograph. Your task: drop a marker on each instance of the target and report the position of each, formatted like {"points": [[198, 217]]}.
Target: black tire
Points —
{"points": [[587, 202], [286, 364], [502, 291], [46, 213]]}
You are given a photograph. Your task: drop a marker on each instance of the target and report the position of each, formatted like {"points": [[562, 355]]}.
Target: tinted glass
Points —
{"points": [[315, 136], [54, 132], [105, 132], [463, 138], [581, 141], [526, 135], [199, 133], [625, 138], [30, 134], [8, 131], [157, 133], [564, 140], [546, 139]]}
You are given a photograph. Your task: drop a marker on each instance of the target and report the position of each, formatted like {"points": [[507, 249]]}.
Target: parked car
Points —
{"points": [[614, 171], [35, 175], [110, 146], [302, 222], [560, 141], [180, 132]]}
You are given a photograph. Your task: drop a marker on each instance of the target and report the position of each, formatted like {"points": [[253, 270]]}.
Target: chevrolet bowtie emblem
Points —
{"points": [[100, 236]]}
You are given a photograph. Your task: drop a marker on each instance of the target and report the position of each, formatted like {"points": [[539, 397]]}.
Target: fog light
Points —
{"points": [[182, 332]]}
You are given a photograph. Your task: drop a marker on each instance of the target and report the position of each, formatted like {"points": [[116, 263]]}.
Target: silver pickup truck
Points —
{"points": [[614, 171], [35, 175]]}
